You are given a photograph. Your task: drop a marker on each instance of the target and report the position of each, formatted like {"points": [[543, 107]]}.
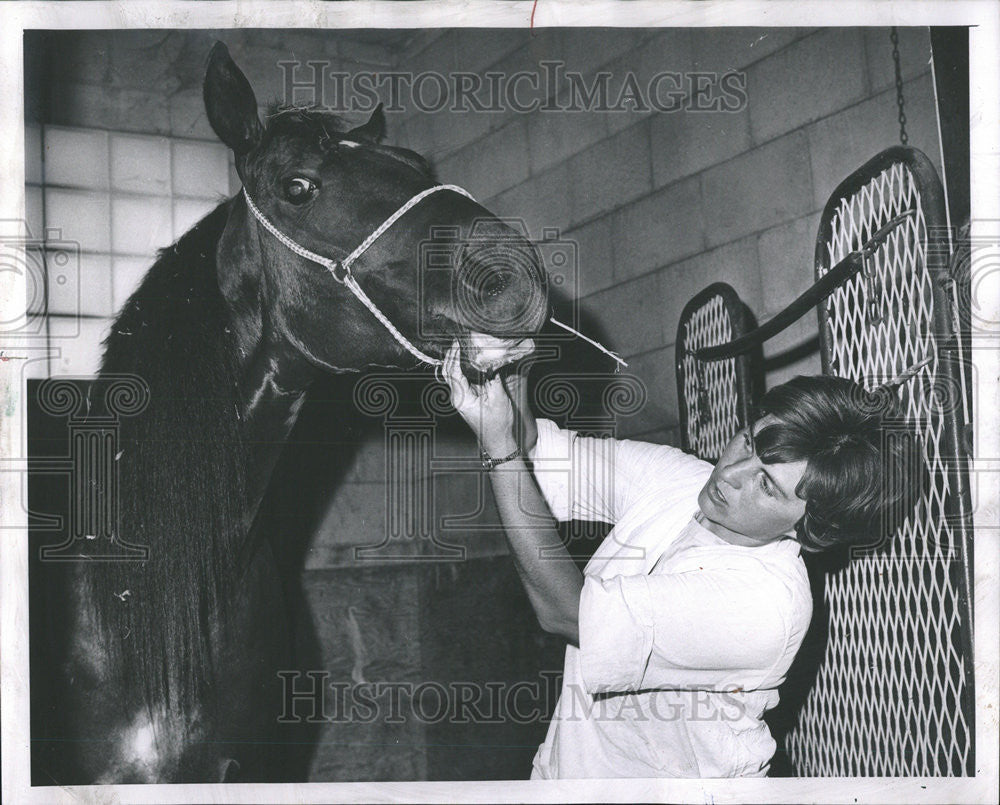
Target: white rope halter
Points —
{"points": [[340, 270]]}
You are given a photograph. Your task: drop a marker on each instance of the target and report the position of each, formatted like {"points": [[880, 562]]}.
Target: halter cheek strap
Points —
{"points": [[340, 270]]}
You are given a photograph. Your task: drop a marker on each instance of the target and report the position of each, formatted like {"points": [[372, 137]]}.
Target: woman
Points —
{"points": [[687, 617]]}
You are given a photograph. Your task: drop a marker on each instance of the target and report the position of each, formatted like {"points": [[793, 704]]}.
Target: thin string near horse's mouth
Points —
{"points": [[340, 270], [614, 356]]}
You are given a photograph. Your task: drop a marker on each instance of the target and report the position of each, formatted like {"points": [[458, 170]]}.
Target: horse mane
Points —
{"points": [[181, 475]]}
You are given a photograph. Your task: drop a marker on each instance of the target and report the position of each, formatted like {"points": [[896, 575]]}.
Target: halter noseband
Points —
{"points": [[340, 270]]}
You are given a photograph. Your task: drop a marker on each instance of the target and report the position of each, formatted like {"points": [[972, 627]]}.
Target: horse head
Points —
{"points": [[445, 269]]}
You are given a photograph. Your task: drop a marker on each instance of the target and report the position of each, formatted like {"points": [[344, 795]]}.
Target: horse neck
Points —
{"points": [[272, 388], [273, 376]]}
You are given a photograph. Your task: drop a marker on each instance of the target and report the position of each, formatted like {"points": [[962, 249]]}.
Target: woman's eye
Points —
{"points": [[299, 189], [766, 486], [747, 443]]}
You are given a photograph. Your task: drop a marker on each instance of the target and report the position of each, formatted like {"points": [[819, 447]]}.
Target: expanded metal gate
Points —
{"points": [[893, 694], [714, 397]]}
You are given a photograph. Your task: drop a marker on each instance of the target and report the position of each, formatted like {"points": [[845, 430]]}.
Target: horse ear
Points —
{"points": [[373, 130], [230, 102]]}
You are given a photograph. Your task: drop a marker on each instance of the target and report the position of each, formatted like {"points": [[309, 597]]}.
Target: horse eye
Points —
{"points": [[299, 189]]}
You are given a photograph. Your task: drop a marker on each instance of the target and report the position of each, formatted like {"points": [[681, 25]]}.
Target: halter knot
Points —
{"points": [[339, 271]]}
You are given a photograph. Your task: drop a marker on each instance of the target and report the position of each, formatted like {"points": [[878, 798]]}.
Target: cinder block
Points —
{"points": [[146, 60], [684, 143], [542, 45], [668, 51], [357, 55], [81, 216], [553, 136], [792, 352], [438, 55], [658, 229], [140, 164], [187, 212], [299, 42], [76, 158], [808, 80], [628, 317], [655, 370], [126, 274], [541, 201], [491, 164], [84, 288], [76, 345], [32, 154], [758, 189], [187, 116], [140, 224], [354, 515], [33, 213], [842, 143], [414, 132], [914, 55], [85, 55], [735, 263], [786, 254], [478, 48], [451, 131], [200, 169], [721, 49], [235, 183], [585, 50], [416, 45], [611, 172], [34, 283], [89, 106], [368, 464], [595, 251]]}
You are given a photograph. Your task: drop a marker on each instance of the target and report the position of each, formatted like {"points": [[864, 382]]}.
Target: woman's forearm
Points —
{"points": [[548, 573]]}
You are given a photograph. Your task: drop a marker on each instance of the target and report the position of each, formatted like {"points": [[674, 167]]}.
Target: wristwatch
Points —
{"points": [[489, 462]]}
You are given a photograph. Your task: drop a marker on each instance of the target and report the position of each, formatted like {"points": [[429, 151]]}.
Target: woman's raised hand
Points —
{"points": [[486, 409]]}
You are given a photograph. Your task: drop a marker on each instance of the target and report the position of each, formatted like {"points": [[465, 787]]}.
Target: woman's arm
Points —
{"points": [[547, 571]]}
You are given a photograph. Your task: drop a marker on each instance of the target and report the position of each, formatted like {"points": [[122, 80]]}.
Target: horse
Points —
{"points": [[167, 665]]}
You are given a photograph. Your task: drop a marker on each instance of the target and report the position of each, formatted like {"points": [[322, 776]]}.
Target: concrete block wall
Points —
{"points": [[662, 204]]}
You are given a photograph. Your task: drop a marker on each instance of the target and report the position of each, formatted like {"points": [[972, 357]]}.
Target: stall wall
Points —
{"points": [[662, 204]]}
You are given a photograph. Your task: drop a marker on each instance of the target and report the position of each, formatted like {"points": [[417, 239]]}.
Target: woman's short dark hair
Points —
{"points": [[864, 467]]}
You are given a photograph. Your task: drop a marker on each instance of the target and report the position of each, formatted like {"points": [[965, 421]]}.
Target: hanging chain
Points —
{"points": [[894, 36]]}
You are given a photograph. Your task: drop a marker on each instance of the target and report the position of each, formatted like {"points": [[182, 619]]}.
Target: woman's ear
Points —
{"points": [[230, 102]]}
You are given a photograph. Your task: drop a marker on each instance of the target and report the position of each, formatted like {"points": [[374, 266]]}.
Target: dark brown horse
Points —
{"points": [[167, 667]]}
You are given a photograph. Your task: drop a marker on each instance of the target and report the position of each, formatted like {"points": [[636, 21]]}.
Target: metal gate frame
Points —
{"points": [[705, 425]]}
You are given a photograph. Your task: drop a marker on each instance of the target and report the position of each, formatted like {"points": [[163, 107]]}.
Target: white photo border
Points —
{"points": [[983, 17]]}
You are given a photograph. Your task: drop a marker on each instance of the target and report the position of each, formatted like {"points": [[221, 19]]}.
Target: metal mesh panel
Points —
{"points": [[893, 693], [710, 391]]}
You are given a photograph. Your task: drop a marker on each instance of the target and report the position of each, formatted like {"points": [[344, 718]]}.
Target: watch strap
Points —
{"points": [[489, 462]]}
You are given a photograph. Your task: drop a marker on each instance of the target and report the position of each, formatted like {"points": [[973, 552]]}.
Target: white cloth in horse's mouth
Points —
{"points": [[487, 353]]}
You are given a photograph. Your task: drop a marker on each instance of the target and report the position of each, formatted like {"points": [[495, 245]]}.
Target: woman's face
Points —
{"points": [[747, 502]]}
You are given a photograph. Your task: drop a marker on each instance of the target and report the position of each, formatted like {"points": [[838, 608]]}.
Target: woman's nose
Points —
{"points": [[734, 473]]}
